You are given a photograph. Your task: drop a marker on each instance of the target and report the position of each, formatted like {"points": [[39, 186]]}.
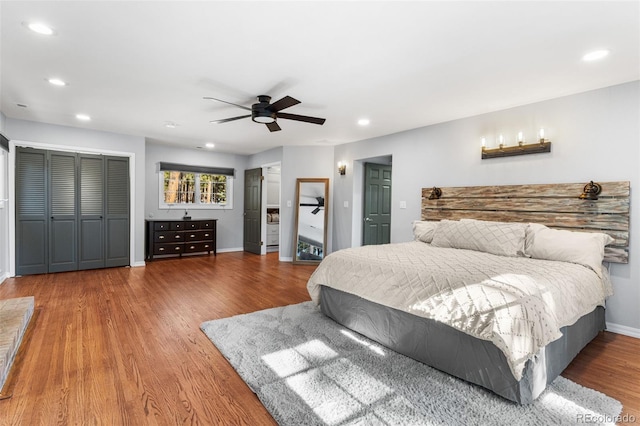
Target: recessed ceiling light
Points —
{"points": [[40, 28], [83, 117], [170, 125], [57, 82], [209, 145], [595, 55], [363, 122]]}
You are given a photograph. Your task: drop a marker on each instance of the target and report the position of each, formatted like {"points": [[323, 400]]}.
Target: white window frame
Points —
{"points": [[196, 205]]}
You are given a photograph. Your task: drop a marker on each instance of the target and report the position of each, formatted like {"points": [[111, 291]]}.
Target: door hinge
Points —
{"points": [[261, 177], [261, 243]]}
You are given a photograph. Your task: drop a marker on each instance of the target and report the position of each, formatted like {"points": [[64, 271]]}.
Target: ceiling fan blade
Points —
{"points": [[283, 103], [273, 127], [226, 120], [315, 211], [304, 118], [230, 103]]}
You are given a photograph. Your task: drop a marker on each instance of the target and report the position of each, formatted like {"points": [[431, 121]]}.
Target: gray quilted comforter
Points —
{"points": [[517, 303]]}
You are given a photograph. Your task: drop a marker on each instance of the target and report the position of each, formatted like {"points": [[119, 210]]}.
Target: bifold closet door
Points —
{"points": [[32, 218], [91, 246], [63, 235], [117, 212], [72, 211]]}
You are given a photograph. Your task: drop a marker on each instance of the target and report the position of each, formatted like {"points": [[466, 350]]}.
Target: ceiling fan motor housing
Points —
{"points": [[260, 112]]}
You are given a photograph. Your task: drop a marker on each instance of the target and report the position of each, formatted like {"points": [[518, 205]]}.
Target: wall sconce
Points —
{"points": [[342, 168], [543, 145], [436, 193], [591, 191]]}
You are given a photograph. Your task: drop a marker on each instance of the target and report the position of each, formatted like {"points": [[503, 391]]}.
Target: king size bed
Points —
{"points": [[502, 304]]}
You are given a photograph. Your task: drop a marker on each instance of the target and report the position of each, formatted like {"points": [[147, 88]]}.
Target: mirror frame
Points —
{"points": [[299, 183]]}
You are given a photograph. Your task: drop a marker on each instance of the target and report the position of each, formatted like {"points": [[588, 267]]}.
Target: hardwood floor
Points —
{"points": [[123, 346]]}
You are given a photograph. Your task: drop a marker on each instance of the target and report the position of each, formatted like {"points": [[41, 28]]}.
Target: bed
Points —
{"points": [[505, 304]]}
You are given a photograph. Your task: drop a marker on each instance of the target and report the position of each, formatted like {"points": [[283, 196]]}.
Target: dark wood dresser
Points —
{"points": [[180, 237]]}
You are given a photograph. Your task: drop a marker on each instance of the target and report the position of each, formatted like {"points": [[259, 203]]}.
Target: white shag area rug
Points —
{"points": [[308, 370]]}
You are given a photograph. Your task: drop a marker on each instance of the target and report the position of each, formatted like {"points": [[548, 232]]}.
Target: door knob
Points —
{"points": [[366, 219]]}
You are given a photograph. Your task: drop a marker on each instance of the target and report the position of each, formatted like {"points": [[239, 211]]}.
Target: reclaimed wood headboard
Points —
{"points": [[553, 205]]}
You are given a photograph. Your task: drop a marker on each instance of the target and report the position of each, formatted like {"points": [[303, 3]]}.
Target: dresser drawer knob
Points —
{"points": [[192, 247], [177, 248], [161, 249], [161, 237], [192, 235]]}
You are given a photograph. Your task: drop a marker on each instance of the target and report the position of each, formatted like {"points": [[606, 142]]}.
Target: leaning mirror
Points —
{"points": [[310, 230]]}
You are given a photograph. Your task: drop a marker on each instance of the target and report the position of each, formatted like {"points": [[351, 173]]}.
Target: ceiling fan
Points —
{"points": [[267, 113], [317, 206]]}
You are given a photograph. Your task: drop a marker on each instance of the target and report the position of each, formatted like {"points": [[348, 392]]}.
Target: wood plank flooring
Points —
{"points": [[123, 346]]}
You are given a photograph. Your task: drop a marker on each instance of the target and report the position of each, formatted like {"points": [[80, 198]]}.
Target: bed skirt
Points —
{"points": [[456, 353]]}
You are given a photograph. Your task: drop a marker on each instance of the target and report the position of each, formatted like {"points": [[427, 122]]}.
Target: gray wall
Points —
{"points": [[595, 136], [302, 162], [230, 221], [84, 139]]}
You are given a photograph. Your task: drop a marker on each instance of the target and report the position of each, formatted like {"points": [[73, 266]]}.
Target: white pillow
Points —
{"points": [[423, 230], [584, 248], [501, 238]]}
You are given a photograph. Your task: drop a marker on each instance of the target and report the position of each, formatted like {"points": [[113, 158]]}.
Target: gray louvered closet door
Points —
{"points": [[63, 235], [91, 212], [72, 211], [32, 220], [117, 211]]}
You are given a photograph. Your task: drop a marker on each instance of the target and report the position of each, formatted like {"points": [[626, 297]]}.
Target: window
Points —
{"points": [[194, 190]]}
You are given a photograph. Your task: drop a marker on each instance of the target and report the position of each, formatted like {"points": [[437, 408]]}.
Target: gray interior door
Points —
{"points": [[252, 210], [376, 227], [117, 212], [32, 217], [63, 225]]}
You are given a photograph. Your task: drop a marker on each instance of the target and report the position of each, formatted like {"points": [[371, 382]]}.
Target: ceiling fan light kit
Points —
{"points": [[266, 113]]}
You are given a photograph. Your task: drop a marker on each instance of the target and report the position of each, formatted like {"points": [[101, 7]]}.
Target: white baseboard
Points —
{"points": [[623, 329], [3, 276], [138, 264], [229, 250], [286, 259]]}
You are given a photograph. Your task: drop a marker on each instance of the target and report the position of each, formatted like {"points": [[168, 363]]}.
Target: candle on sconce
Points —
{"points": [[520, 139], [541, 133], [483, 141], [501, 140]]}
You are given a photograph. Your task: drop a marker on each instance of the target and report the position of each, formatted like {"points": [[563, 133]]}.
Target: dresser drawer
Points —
{"points": [[168, 237], [160, 226], [191, 224], [273, 240], [198, 235], [176, 226], [196, 247], [206, 224], [273, 229], [168, 248]]}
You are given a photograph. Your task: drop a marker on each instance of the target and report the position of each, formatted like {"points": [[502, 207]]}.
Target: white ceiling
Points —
{"points": [[133, 66]]}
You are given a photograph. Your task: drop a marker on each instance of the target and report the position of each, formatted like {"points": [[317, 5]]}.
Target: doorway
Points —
{"points": [[271, 212]]}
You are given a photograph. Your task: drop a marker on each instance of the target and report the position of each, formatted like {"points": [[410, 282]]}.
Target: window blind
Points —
{"points": [[226, 171]]}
